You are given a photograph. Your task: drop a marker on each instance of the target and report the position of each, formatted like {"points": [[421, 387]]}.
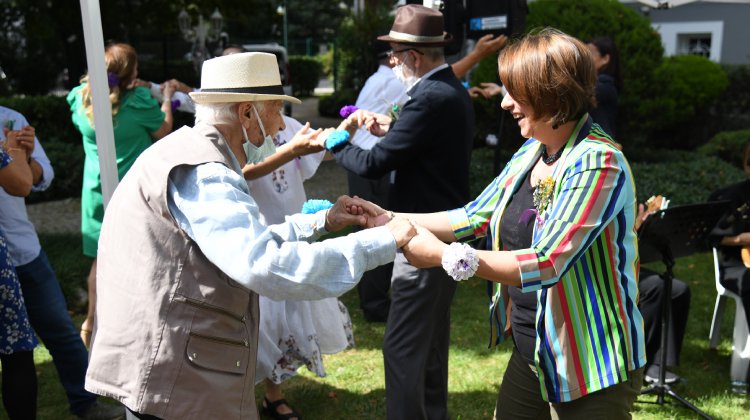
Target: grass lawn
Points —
{"points": [[354, 387]]}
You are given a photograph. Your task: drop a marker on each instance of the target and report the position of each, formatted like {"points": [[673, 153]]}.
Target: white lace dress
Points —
{"points": [[294, 333]]}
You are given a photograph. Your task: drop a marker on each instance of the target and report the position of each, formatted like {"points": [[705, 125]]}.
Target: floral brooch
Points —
{"points": [[543, 193]]}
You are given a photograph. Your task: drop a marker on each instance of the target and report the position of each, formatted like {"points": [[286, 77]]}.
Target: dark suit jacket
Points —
{"points": [[429, 147]]}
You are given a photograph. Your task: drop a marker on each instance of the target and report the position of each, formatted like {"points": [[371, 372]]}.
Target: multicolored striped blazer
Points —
{"points": [[582, 264]]}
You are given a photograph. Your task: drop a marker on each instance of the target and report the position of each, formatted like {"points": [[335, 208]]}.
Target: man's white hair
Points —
{"points": [[221, 113]]}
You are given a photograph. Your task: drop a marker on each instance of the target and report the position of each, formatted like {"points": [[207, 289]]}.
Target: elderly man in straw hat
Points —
{"points": [[183, 256], [428, 147]]}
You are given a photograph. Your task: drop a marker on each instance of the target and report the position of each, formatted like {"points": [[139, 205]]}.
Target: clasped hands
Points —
{"points": [[376, 124], [421, 248], [20, 139]]}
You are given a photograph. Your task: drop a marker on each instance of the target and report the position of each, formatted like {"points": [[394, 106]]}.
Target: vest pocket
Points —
{"points": [[219, 354]]}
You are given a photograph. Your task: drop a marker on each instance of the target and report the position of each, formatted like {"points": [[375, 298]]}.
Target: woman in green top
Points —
{"points": [[137, 120]]}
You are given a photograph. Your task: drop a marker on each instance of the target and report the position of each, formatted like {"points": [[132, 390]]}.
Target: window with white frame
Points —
{"points": [[694, 44], [698, 38]]}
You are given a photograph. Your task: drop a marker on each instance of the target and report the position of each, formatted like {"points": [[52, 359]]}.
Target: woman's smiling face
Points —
{"points": [[523, 115]]}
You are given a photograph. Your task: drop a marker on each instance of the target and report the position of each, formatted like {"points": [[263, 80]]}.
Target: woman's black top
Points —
{"points": [[605, 113], [516, 230]]}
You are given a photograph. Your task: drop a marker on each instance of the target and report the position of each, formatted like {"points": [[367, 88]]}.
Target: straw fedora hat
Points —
{"points": [[252, 76], [418, 25]]}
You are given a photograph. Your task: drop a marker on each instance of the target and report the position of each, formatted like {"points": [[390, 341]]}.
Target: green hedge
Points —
{"points": [[683, 177], [50, 116], [727, 146], [306, 73]]}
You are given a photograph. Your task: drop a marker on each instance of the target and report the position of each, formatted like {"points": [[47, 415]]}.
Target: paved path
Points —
{"points": [[64, 216]]}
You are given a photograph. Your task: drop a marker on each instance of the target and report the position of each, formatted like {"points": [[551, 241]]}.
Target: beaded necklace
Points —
{"points": [[550, 159]]}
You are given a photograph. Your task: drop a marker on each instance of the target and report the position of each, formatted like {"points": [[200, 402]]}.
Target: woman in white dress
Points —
{"points": [[292, 334]]}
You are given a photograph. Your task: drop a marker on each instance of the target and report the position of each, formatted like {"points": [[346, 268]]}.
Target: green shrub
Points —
{"points": [[688, 85], [731, 111], [326, 60], [306, 73], [50, 116], [727, 146], [639, 45], [683, 177], [330, 105]]}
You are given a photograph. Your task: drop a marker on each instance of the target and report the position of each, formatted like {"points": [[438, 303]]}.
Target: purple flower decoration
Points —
{"points": [[175, 104], [347, 110], [113, 79]]}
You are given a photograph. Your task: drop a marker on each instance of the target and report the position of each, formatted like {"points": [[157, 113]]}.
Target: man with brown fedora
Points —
{"points": [[428, 148], [183, 256]]}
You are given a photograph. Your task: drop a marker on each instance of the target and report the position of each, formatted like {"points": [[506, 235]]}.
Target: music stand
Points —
{"points": [[665, 235]]}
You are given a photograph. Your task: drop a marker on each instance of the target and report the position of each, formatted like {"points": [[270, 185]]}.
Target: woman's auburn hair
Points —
{"points": [[121, 60], [551, 72]]}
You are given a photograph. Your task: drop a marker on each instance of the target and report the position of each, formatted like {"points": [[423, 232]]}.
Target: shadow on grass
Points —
{"points": [[319, 399]]}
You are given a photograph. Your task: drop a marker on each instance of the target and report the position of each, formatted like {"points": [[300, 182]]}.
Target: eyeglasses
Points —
{"points": [[391, 53]]}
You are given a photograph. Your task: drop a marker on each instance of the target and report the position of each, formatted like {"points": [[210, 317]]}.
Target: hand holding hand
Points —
{"points": [[349, 211], [21, 139], [424, 250], [178, 86], [140, 83], [167, 90], [402, 230], [355, 120], [378, 124]]}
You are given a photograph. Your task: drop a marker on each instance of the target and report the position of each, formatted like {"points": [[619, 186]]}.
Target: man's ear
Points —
{"points": [[246, 110]]}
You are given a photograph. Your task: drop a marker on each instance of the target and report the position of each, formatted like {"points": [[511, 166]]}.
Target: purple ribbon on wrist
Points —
{"points": [[175, 104]]}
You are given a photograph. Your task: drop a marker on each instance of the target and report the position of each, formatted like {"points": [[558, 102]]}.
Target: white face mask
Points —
{"points": [[255, 153], [407, 81]]}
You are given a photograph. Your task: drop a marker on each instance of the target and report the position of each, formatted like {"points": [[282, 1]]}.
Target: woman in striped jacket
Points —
{"points": [[561, 245]]}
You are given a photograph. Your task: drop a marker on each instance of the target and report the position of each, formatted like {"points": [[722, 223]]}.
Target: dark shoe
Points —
{"points": [[270, 410], [103, 411], [652, 375]]}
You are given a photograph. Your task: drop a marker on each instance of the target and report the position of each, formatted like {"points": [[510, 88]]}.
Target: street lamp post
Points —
{"points": [[281, 11], [200, 34]]}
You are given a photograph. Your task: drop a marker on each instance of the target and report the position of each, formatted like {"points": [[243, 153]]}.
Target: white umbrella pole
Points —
{"points": [[105, 137]]}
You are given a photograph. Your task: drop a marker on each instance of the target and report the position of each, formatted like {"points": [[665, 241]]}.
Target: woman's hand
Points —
{"points": [[355, 120], [402, 230], [168, 90], [348, 211], [424, 250], [178, 85], [21, 139], [307, 141]]}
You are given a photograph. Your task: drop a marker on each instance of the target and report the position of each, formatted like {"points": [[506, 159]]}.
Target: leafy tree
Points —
{"points": [[355, 42]]}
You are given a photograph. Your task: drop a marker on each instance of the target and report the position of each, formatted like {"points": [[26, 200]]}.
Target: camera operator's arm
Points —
{"points": [[486, 45]]}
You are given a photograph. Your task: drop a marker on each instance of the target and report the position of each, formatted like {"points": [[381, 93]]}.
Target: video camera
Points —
{"points": [[475, 18]]}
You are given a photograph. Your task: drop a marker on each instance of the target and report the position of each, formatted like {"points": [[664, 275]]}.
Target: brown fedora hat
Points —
{"points": [[418, 25]]}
